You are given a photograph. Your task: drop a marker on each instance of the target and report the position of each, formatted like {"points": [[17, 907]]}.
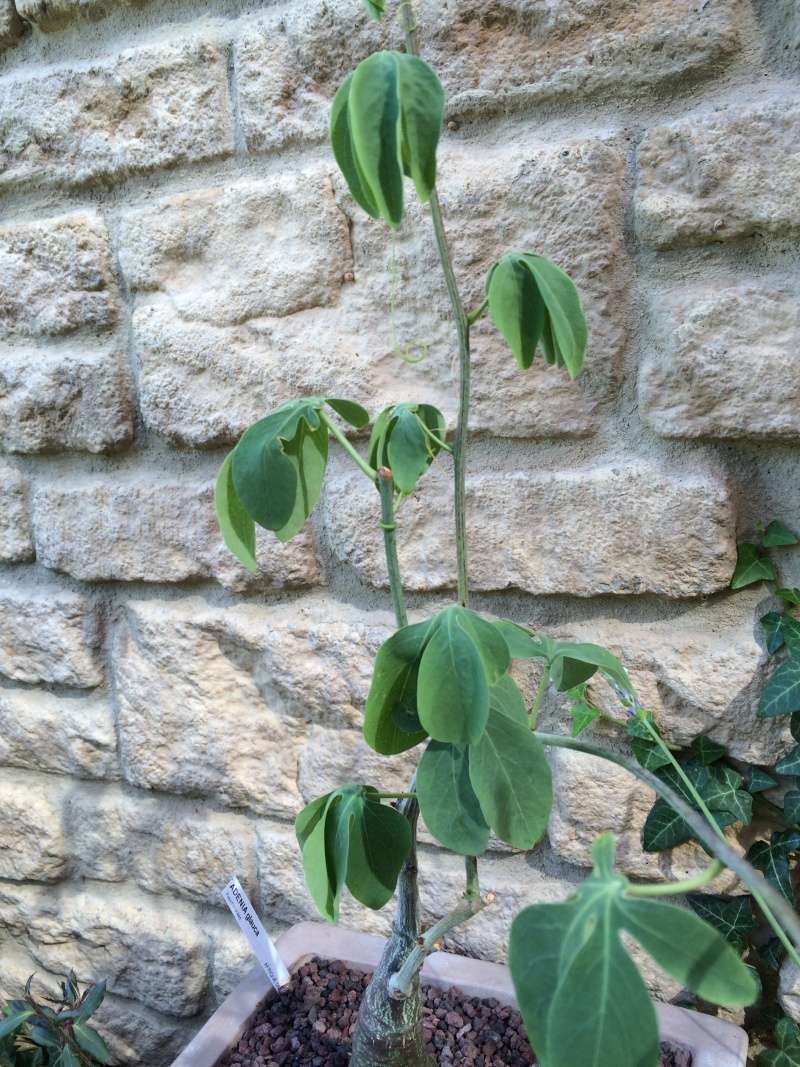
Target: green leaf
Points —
{"points": [[751, 566], [279, 464], [732, 916], [794, 726], [720, 788], [583, 715], [647, 752], [707, 750], [13, 1022], [757, 780], [463, 657], [576, 663], [392, 698], [68, 1058], [522, 644], [237, 528], [531, 300], [91, 1042], [405, 439], [791, 807], [375, 8], [789, 596], [777, 535], [385, 122], [510, 773], [447, 800], [316, 846], [351, 412], [772, 953], [773, 862], [791, 633], [790, 764], [772, 625], [92, 999], [781, 694], [787, 1054]]}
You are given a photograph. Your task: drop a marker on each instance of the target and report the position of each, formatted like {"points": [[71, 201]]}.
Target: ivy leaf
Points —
{"points": [[707, 750], [791, 633], [463, 657], [789, 596], [732, 916], [790, 764], [773, 861], [777, 534], [385, 122], [348, 410], [645, 749], [751, 566], [772, 625], [532, 302], [772, 953], [392, 699], [509, 771], [781, 694], [570, 956], [791, 806], [237, 527], [720, 788], [404, 439], [447, 800], [279, 464], [583, 715], [794, 726], [757, 780], [91, 1042], [787, 1054]]}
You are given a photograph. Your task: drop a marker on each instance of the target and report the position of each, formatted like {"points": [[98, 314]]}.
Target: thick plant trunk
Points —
{"points": [[389, 1031]]}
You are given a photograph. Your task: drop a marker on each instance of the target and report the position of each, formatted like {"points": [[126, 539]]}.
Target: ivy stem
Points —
{"points": [[462, 329], [352, 453], [386, 489], [670, 889], [770, 901]]}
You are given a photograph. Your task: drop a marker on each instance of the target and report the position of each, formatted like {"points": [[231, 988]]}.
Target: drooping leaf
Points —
{"points": [[532, 301], [751, 566], [91, 1042], [237, 527], [781, 694], [732, 916], [344, 152], [787, 1054], [777, 534], [447, 800], [707, 750], [790, 764], [522, 644], [405, 438], [348, 410], [791, 807], [463, 657], [279, 464], [772, 625], [392, 698], [510, 773], [757, 780]]}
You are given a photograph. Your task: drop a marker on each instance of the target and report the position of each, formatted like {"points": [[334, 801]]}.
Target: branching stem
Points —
{"points": [[359, 461], [671, 889]]}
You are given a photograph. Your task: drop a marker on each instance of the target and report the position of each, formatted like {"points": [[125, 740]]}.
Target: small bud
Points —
{"points": [[348, 276], [453, 125]]}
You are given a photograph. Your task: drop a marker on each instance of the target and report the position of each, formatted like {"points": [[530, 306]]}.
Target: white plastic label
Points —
{"points": [[253, 929]]}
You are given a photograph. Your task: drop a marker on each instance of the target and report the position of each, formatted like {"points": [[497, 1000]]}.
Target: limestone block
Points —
{"points": [[216, 701], [59, 734], [203, 382], [789, 989], [608, 529], [56, 276], [716, 176], [33, 846], [10, 24], [49, 636], [190, 248], [122, 937], [290, 63], [231, 956], [64, 398], [724, 364], [334, 757], [145, 109], [15, 535], [57, 14], [155, 531]]}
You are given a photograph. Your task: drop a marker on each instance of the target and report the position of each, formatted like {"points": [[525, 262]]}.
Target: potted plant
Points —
{"points": [[444, 683]]}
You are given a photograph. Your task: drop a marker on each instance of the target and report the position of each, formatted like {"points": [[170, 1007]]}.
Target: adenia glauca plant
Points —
{"points": [[445, 683]]}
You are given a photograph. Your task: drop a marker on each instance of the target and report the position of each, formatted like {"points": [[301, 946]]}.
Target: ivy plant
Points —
{"points": [[445, 684]]}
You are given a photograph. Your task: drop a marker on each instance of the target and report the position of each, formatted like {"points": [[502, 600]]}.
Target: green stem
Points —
{"points": [[386, 489], [473, 888], [533, 714], [477, 312], [397, 796], [670, 889], [772, 904], [352, 453]]}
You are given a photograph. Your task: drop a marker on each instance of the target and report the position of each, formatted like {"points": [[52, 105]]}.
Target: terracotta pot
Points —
{"points": [[713, 1042]]}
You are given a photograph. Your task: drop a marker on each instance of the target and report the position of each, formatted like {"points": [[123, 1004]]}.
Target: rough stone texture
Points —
{"points": [[33, 846], [216, 702], [10, 24], [789, 989], [65, 734], [146, 109], [155, 531], [203, 382], [15, 535], [709, 345], [64, 398], [49, 637], [57, 14], [291, 63], [719, 175], [56, 277], [332, 757], [123, 937], [528, 532]]}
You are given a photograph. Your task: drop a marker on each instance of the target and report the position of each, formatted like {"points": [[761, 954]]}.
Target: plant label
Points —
{"points": [[253, 929]]}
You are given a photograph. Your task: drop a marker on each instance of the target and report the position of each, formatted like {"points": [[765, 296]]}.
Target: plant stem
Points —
{"points": [[396, 796], [462, 329], [768, 898], [670, 889], [477, 312], [533, 714], [352, 453], [473, 888], [386, 489]]}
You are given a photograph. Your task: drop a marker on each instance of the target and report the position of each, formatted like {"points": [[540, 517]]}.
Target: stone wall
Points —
{"points": [[177, 254]]}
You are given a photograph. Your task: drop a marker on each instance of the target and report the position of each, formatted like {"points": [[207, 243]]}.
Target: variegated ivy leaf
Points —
{"points": [[757, 780], [790, 764], [772, 859], [719, 786], [781, 694]]}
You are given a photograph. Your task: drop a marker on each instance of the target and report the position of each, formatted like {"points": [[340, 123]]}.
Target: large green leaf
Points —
{"points": [[392, 699], [777, 534], [787, 1054], [576, 663], [781, 694], [732, 916], [447, 800], [522, 644], [91, 1042], [279, 464], [385, 123], [349, 411], [751, 566], [719, 786], [582, 998], [532, 301], [405, 438], [510, 773], [464, 656], [237, 527]]}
